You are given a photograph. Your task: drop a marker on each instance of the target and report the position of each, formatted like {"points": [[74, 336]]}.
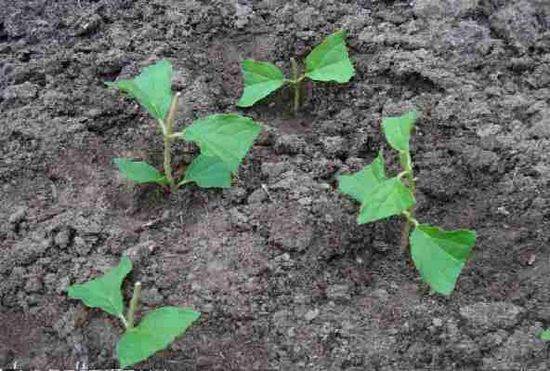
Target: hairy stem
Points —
{"points": [[405, 232], [167, 137], [168, 160], [133, 306], [406, 164], [296, 81], [172, 111]]}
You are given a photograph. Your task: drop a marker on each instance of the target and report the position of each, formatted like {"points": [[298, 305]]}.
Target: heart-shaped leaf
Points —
{"points": [[104, 292], [440, 255], [156, 331], [152, 88], [398, 130], [139, 171], [329, 61], [223, 139], [361, 184], [260, 80], [208, 172], [390, 197]]}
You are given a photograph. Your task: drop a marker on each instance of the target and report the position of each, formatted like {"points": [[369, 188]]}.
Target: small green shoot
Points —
{"points": [[545, 335], [156, 331], [438, 255], [224, 139], [328, 61]]}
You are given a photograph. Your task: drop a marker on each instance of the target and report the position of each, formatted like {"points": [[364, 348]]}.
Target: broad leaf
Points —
{"points": [[329, 61], [156, 331], [360, 185], [104, 292], [545, 335], [388, 198], [398, 130], [224, 138], [260, 80], [208, 172], [139, 171], [440, 255], [152, 88]]}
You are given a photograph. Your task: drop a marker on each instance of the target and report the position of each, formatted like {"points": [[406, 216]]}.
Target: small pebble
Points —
{"points": [[311, 314]]}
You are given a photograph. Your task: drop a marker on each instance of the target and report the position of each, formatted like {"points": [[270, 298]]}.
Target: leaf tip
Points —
{"points": [[126, 262], [243, 104], [195, 314]]}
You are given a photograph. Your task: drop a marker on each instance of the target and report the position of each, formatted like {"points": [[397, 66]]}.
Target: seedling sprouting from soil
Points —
{"points": [[328, 61], [156, 330], [224, 139], [438, 255]]}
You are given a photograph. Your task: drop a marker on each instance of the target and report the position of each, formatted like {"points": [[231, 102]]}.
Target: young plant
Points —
{"points": [[438, 255], [157, 329], [328, 61], [224, 139]]}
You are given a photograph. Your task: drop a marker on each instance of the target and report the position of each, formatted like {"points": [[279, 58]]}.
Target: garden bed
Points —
{"points": [[283, 275]]}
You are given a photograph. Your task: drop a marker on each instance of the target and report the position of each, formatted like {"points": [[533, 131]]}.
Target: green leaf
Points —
{"points": [[388, 198], [104, 292], [440, 255], [208, 172], [329, 61], [152, 88], [156, 331], [260, 80], [361, 184], [139, 171], [398, 130], [223, 139], [545, 335]]}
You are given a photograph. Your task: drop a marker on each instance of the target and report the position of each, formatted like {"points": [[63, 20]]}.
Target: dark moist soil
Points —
{"points": [[284, 277]]}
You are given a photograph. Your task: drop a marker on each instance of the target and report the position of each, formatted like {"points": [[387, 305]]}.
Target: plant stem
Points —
{"points": [[168, 161], [133, 305], [296, 81], [183, 182], [172, 110], [123, 319], [167, 137], [410, 218], [406, 164]]}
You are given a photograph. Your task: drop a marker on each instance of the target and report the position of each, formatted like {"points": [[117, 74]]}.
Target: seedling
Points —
{"points": [[224, 139], [438, 255], [157, 329], [328, 61]]}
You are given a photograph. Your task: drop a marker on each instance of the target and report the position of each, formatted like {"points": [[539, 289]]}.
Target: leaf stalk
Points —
{"points": [[296, 81], [123, 320], [167, 139], [133, 306], [410, 218], [406, 163], [183, 182], [402, 174]]}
